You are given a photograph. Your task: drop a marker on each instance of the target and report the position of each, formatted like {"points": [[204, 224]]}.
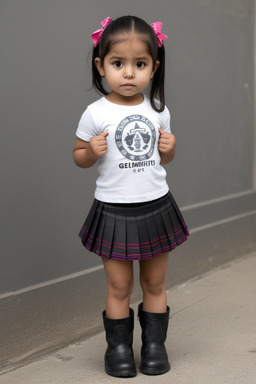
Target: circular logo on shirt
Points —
{"points": [[135, 137]]}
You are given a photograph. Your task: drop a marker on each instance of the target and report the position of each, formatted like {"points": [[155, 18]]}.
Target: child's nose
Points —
{"points": [[129, 73]]}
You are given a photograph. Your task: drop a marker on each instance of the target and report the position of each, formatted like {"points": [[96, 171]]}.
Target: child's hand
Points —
{"points": [[87, 153], [166, 146], [98, 145]]}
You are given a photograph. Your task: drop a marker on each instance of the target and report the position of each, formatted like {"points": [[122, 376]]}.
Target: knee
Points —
{"points": [[153, 285], [120, 289]]}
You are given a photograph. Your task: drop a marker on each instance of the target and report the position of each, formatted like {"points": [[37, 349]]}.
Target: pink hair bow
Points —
{"points": [[157, 29], [97, 34]]}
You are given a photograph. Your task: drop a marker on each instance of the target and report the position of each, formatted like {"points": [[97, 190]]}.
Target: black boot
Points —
{"points": [[154, 359], [119, 360]]}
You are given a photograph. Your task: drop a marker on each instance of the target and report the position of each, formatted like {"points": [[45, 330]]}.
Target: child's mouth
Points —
{"points": [[128, 85]]}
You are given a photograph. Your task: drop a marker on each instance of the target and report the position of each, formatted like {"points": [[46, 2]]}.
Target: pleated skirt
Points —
{"points": [[137, 231]]}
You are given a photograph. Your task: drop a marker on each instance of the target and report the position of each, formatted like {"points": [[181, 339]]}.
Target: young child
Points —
{"points": [[133, 216]]}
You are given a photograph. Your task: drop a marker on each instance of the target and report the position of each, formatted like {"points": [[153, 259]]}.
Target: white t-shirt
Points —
{"points": [[130, 171]]}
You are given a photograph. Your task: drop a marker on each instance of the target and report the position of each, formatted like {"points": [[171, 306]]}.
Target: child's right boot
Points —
{"points": [[119, 359]]}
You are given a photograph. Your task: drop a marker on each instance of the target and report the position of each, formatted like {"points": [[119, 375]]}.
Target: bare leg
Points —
{"points": [[119, 276], [152, 280]]}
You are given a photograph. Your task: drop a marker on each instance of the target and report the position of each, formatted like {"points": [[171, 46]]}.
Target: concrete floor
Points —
{"points": [[211, 337]]}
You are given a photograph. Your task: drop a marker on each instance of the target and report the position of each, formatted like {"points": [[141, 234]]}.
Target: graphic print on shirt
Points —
{"points": [[135, 137]]}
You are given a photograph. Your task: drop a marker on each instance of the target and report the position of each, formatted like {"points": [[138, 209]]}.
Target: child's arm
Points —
{"points": [[166, 146], [87, 153]]}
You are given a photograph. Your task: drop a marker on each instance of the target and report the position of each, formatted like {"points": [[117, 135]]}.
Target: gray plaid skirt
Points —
{"points": [[137, 231]]}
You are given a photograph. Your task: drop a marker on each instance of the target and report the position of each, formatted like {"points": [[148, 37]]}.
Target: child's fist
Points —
{"points": [[166, 143], [98, 144]]}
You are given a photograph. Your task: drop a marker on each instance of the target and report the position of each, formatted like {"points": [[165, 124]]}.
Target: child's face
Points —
{"points": [[128, 68]]}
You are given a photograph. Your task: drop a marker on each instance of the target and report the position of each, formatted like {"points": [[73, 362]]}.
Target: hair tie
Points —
{"points": [[97, 34], [156, 26]]}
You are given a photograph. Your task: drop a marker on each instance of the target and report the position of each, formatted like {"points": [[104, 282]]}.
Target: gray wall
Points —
{"points": [[45, 77]]}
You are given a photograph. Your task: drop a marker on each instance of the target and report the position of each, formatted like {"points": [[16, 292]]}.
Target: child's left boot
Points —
{"points": [[154, 358]]}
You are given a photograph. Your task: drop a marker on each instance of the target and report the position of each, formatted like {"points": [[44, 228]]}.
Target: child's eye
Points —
{"points": [[118, 64], [140, 65]]}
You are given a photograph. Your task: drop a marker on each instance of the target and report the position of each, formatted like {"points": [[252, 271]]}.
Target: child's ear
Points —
{"points": [[155, 69], [99, 66]]}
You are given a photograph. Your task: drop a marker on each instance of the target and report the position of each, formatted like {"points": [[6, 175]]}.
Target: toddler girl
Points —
{"points": [[133, 216]]}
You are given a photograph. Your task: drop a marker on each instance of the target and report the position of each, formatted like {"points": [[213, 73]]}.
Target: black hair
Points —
{"points": [[126, 24]]}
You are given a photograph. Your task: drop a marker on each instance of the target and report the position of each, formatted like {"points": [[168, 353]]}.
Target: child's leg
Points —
{"points": [[119, 319], [154, 316], [119, 276], [152, 280]]}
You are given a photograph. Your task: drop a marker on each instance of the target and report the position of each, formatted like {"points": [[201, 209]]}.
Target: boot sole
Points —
{"points": [[154, 371], [121, 373]]}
